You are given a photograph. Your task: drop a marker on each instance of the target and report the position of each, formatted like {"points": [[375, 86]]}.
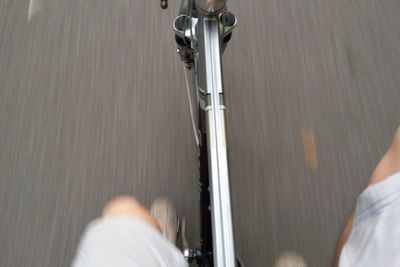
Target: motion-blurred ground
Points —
{"points": [[92, 104]]}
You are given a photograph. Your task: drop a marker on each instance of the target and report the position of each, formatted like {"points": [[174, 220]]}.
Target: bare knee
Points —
{"points": [[122, 205], [396, 141], [390, 163], [128, 206]]}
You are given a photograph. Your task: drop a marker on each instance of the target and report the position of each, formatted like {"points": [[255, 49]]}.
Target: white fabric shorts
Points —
{"points": [[374, 240], [125, 242]]}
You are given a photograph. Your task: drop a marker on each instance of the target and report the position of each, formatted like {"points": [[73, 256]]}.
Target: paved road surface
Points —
{"points": [[92, 104]]}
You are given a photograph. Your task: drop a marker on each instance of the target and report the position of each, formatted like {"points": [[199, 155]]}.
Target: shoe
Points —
{"points": [[163, 210], [290, 259]]}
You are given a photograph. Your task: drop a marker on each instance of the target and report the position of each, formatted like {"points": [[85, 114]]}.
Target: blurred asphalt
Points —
{"points": [[93, 104]]}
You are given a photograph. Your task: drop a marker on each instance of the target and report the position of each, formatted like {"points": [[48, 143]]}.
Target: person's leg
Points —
{"points": [[127, 205], [387, 166], [126, 235], [342, 240], [390, 163], [290, 259]]}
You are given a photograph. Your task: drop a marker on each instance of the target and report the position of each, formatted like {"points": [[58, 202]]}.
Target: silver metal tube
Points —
{"points": [[210, 6], [223, 241]]}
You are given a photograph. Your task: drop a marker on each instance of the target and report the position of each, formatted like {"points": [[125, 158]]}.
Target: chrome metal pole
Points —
{"points": [[211, 81]]}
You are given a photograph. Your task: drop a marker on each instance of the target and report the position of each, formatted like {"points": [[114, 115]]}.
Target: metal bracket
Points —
{"points": [[228, 23]]}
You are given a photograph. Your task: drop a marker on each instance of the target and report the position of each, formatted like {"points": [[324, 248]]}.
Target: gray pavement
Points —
{"points": [[92, 105]]}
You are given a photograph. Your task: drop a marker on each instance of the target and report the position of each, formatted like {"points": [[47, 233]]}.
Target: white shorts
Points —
{"points": [[125, 242], [374, 240]]}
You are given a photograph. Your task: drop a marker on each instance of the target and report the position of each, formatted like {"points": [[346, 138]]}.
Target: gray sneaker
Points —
{"points": [[290, 259], [163, 210]]}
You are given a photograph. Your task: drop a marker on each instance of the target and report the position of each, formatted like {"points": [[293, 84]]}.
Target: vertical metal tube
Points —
{"points": [[211, 81]]}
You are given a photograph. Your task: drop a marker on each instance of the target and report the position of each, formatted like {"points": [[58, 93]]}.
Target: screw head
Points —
{"points": [[164, 4]]}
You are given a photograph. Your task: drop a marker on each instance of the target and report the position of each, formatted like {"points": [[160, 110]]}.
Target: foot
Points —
{"points": [[290, 259], [165, 213]]}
